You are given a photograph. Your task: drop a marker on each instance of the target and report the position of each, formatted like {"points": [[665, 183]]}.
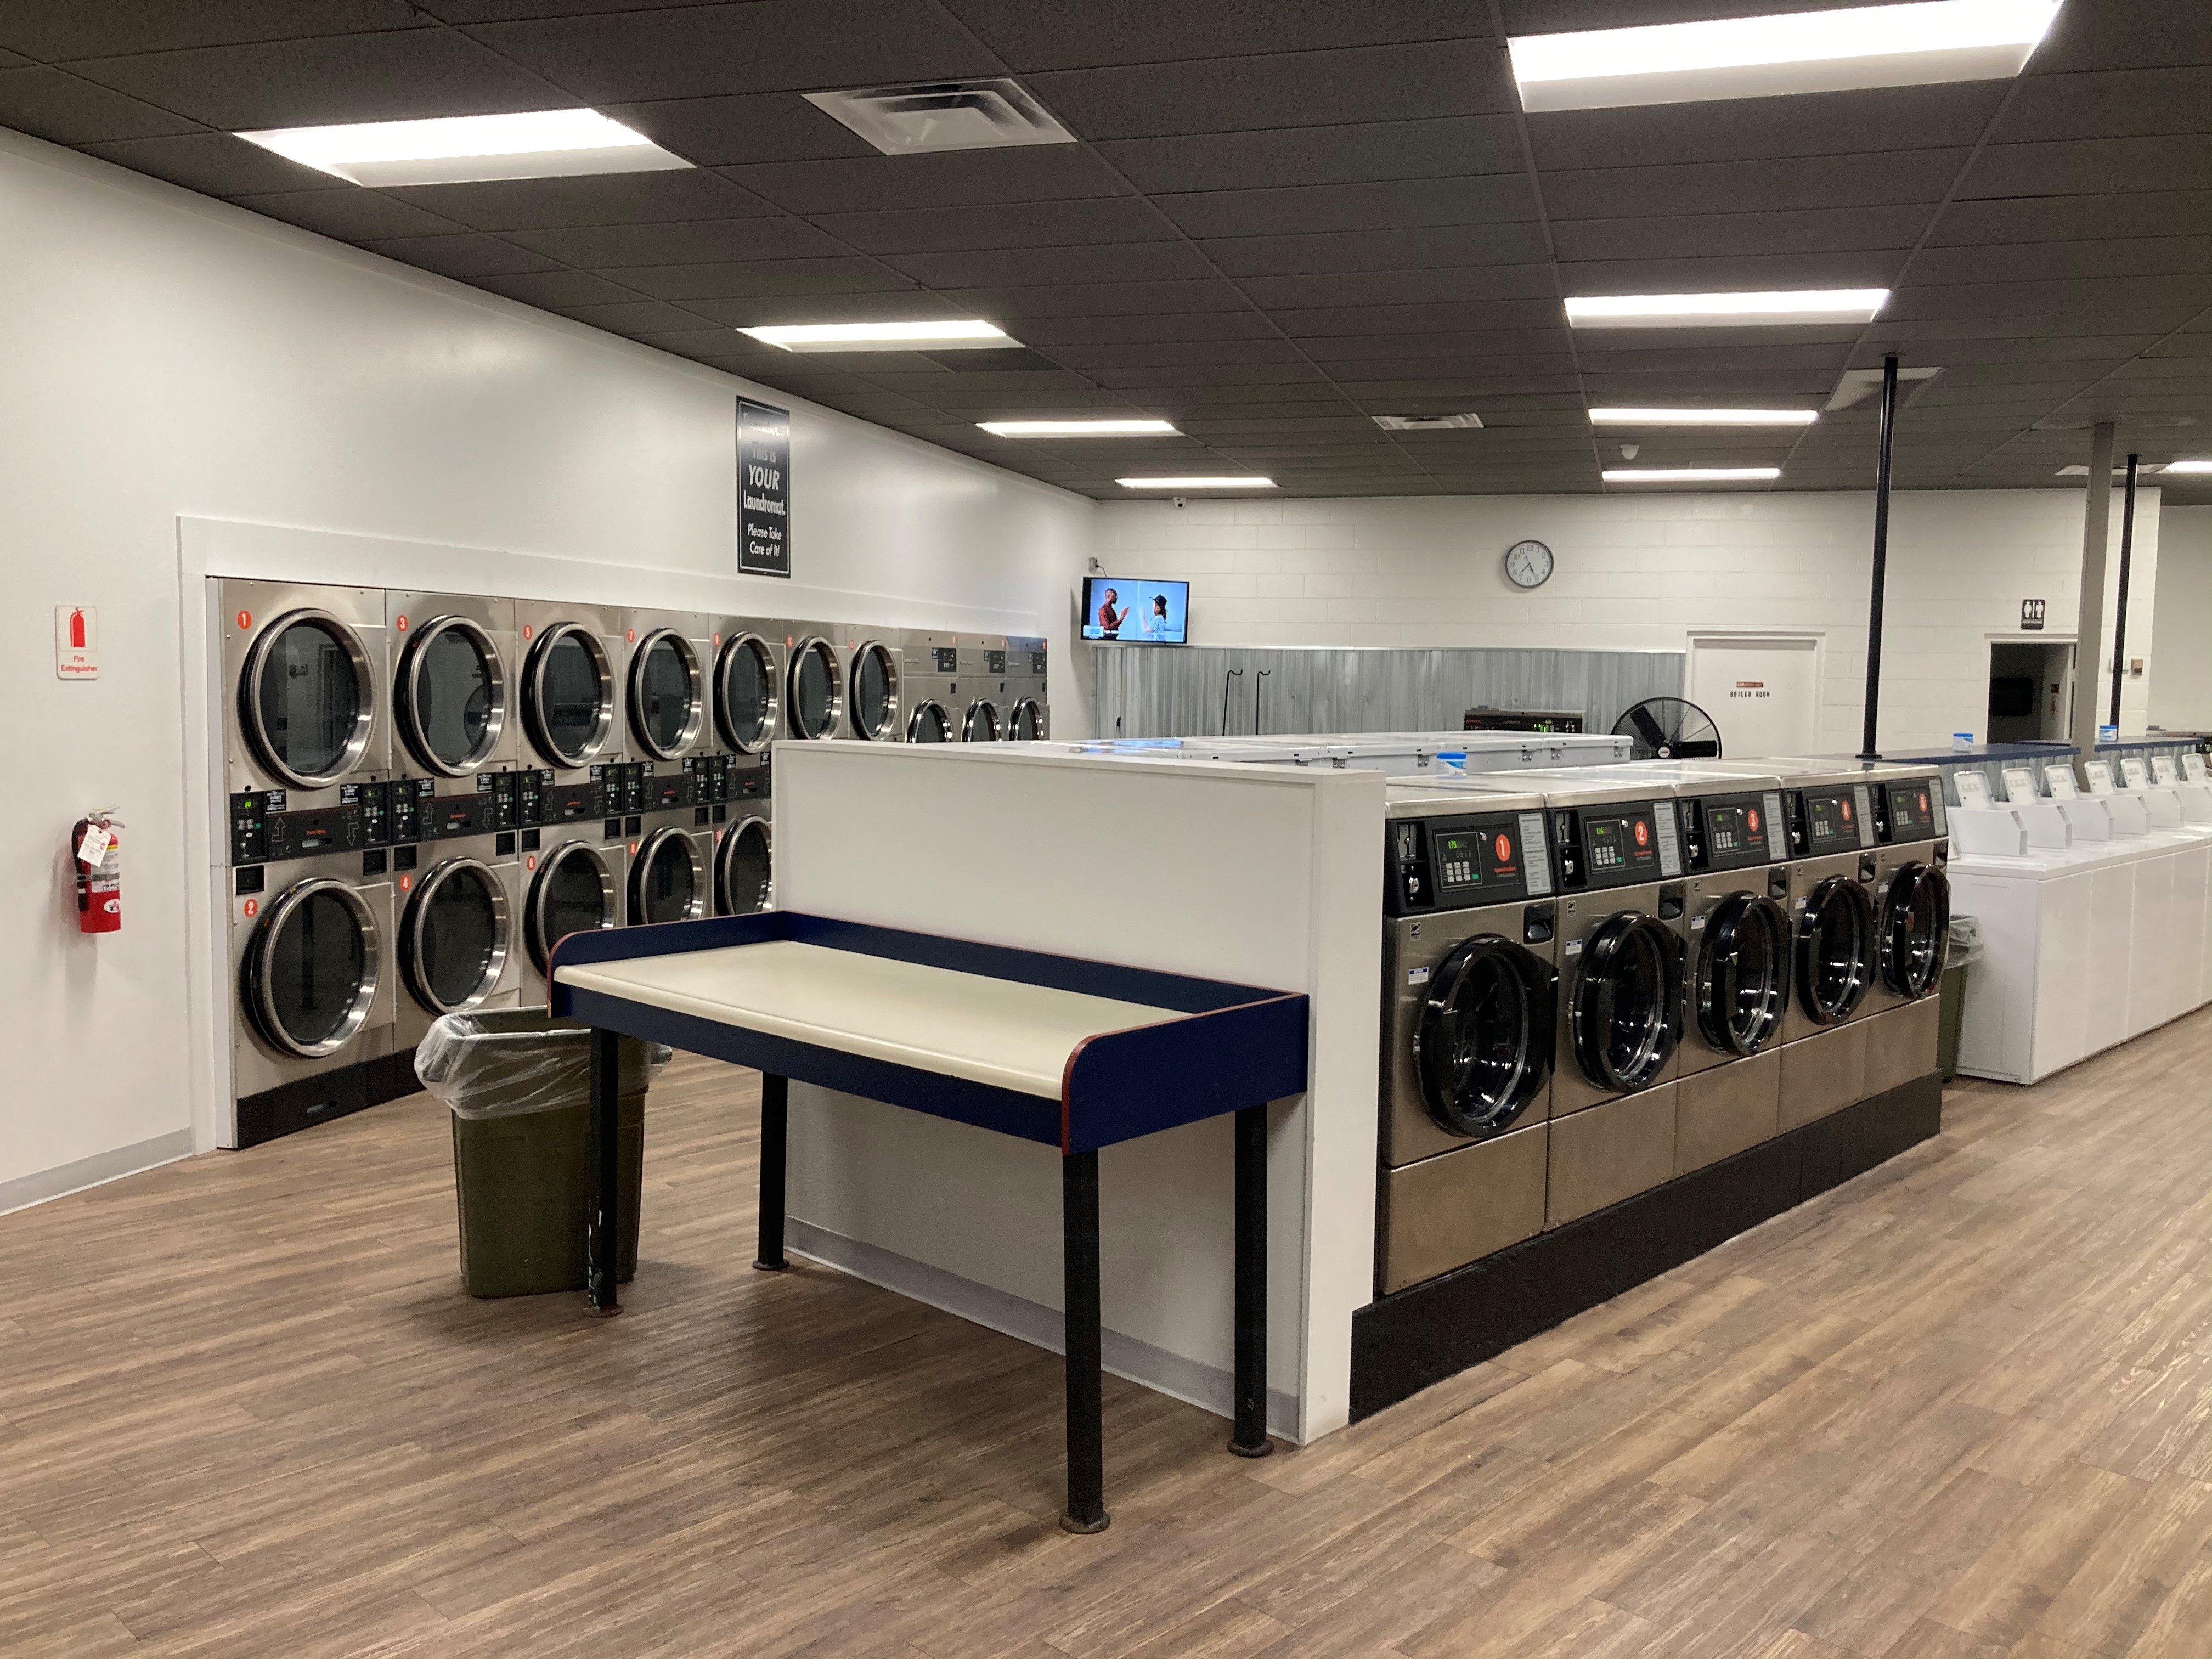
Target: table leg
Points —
{"points": [[1250, 1439], [603, 1230], [775, 1124], [1086, 1449]]}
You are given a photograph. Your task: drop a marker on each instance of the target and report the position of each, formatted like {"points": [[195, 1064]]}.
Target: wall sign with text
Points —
{"points": [[2030, 616], [763, 489]]}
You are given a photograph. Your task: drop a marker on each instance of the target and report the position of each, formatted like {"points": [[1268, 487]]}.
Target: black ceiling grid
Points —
{"points": [[1279, 219]]}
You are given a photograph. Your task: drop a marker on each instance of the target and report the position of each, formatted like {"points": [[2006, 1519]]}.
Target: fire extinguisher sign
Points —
{"points": [[76, 642]]}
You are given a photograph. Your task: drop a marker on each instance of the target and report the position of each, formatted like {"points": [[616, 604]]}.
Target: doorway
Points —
{"points": [[2030, 690]]}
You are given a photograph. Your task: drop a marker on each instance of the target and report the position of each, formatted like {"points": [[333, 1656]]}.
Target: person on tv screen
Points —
{"points": [[1153, 624], [1108, 619]]}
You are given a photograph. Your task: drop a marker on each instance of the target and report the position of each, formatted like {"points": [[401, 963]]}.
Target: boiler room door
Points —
{"points": [[1763, 692]]}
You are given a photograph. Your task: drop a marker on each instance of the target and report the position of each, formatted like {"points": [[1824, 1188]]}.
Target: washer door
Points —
{"points": [[1025, 721], [1741, 982], [817, 697], [745, 700], [1916, 920], [311, 967], [307, 698], [1482, 1047], [981, 722], [742, 867], [1628, 1002], [569, 695], [668, 700], [1835, 951], [452, 698], [454, 937], [574, 892], [875, 691], [667, 879], [929, 723]]}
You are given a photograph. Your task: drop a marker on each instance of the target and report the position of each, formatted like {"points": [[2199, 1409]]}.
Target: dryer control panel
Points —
{"points": [[1734, 832], [1459, 863], [1619, 844]]}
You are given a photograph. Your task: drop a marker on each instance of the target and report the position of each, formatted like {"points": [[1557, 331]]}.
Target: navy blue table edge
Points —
{"points": [[1226, 1049]]}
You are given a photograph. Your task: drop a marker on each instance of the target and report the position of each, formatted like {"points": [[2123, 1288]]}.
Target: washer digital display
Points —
{"points": [[1615, 844], [1831, 821]]}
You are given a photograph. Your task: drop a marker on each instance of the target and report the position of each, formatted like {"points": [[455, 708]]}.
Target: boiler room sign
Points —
{"points": [[763, 489]]}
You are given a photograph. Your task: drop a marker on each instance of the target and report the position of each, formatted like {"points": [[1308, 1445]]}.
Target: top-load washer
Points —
{"points": [[573, 675], [307, 723], [1027, 706], [813, 681], [455, 748], [1469, 1027], [2173, 872], [932, 678], [980, 688], [875, 680]]}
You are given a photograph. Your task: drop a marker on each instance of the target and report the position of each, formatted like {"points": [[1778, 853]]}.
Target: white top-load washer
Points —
{"points": [[2172, 871]]}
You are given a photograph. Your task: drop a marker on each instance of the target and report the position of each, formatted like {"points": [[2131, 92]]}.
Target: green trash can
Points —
{"points": [[519, 1084], [1960, 951]]}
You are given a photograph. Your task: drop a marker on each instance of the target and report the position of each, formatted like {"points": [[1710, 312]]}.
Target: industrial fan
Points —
{"points": [[1668, 728]]}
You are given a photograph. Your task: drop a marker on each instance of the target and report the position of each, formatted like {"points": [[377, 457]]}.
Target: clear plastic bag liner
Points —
{"points": [[506, 1062], [1964, 946]]}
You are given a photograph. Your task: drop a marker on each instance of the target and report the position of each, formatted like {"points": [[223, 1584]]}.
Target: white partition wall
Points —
{"points": [[1267, 876]]}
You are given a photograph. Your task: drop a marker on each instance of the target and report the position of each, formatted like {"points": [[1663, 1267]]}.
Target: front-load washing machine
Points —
{"points": [[457, 943], [980, 688], [1469, 1024], [573, 879], [575, 665], [1911, 925], [933, 680], [813, 681], [1028, 716], [313, 964], [307, 723], [875, 683], [455, 748], [1828, 810]]}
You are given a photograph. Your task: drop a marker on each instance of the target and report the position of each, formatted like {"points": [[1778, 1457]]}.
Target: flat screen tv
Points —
{"points": [[1135, 610]]}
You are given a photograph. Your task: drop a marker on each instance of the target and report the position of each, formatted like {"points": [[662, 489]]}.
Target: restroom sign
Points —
{"points": [[76, 642], [2030, 616]]}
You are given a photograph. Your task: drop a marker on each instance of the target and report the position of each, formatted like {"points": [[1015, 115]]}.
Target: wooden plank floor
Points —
{"points": [[1959, 1409]]}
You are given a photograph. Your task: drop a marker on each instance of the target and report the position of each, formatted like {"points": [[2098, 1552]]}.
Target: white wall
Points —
{"points": [[2181, 691], [1643, 572], [165, 356]]}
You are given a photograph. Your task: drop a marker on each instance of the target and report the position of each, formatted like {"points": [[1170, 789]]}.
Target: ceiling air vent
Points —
{"points": [[987, 114], [1428, 422]]}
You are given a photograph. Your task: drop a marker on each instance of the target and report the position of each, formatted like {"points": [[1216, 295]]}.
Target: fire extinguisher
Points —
{"points": [[97, 848]]}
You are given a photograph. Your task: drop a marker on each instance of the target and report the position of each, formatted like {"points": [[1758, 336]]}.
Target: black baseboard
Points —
{"points": [[291, 1107], [1402, 1344]]}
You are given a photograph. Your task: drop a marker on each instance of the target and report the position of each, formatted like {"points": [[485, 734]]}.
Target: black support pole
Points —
{"points": [[1087, 1434], [1250, 1439], [603, 1229], [2120, 609], [775, 1124], [1867, 751]]}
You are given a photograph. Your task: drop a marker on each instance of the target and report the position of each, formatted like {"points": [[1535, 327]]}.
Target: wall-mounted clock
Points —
{"points": [[1529, 564]]}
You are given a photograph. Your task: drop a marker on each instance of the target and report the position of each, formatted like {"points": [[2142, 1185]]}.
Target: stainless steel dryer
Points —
{"points": [[813, 681], [307, 722], [1469, 1022], [455, 747], [1027, 707], [458, 944], [932, 677], [312, 963], [749, 688], [671, 867], [875, 683], [576, 664], [1911, 924], [745, 864], [668, 703], [573, 879], [980, 687]]}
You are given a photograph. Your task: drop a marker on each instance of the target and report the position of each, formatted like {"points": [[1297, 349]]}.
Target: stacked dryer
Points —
{"points": [[675, 764], [875, 680], [933, 686], [814, 682], [1027, 704], [979, 689], [748, 707]]}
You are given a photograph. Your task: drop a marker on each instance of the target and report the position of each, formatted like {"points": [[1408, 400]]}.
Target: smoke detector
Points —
{"points": [[993, 114], [1428, 422]]}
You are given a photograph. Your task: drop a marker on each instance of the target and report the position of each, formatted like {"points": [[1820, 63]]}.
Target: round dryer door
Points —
{"points": [[569, 695], [742, 869], [746, 702], [1835, 951], [667, 704], [574, 892], [452, 696], [307, 698], [817, 699], [929, 723], [454, 937], [1741, 981], [667, 879], [1483, 1045], [1916, 922], [1025, 721], [981, 723], [1628, 1002], [312, 968], [875, 692]]}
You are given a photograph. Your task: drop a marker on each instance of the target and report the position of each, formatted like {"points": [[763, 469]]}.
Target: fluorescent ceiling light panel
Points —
{"points": [[462, 150], [1076, 428], [1811, 305], [1691, 474], [955, 334], [1704, 416], [2184, 466], [1240, 483], [1908, 45]]}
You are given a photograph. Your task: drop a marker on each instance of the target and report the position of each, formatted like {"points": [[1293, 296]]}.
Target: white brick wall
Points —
{"points": [[2181, 697], [1642, 572]]}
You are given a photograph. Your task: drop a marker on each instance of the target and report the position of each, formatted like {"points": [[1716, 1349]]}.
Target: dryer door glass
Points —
{"points": [[1915, 923], [571, 696], [748, 695], [665, 885], [929, 723], [311, 700], [741, 874], [1743, 974], [1628, 1001], [665, 696], [574, 894], [1834, 950], [452, 690], [315, 968], [875, 692], [1026, 723], [981, 725], [456, 943], [814, 700], [1483, 1042]]}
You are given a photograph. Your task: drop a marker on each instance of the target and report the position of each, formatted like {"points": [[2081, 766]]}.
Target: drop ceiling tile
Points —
{"points": [[692, 241], [1689, 235], [967, 178], [608, 198], [1713, 384], [1459, 247], [1180, 355], [2125, 34], [1127, 262], [555, 288], [1599, 357], [651, 319], [1223, 377], [471, 256], [1931, 333], [1100, 300], [1986, 300], [56, 31], [1448, 349], [1867, 122], [1830, 181], [2075, 218], [798, 305], [213, 163], [1518, 318], [747, 128], [1168, 402], [1048, 333], [403, 75], [1309, 209], [1466, 383], [1355, 153], [1377, 338], [2090, 167], [742, 279], [1868, 269], [1444, 285], [1961, 353], [1114, 219], [1054, 35], [2110, 104], [60, 107], [351, 215]]}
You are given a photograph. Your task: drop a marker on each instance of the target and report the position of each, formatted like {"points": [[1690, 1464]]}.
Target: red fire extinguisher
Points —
{"points": [[96, 846]]}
